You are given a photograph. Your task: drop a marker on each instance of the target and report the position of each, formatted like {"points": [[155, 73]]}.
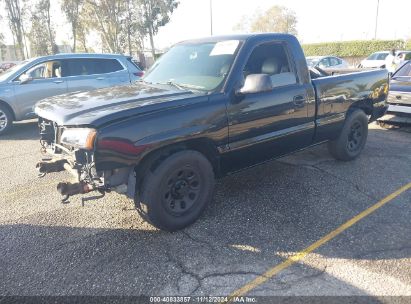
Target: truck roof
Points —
{"points": [[242, 37]]}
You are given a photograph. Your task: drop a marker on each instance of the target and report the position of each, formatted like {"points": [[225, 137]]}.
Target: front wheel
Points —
{"points": [[6, 119], [353, 136], [175, 193]]}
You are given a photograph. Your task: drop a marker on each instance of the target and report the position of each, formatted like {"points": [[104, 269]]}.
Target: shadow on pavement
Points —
{"points": [[39, 260], [22, 130], [256, 218]]}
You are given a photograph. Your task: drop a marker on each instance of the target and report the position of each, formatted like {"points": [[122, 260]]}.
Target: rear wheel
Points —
{"points": [[352, 138], [175, 193], [6, 119]]}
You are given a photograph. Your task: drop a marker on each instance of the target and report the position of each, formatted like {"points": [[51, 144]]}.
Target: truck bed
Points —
{"points": [[336, 94]]}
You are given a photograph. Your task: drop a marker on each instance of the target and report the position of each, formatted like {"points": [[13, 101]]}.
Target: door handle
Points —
{"points": [[299, 100], [58, 81], [398, 97], [100, 78]]}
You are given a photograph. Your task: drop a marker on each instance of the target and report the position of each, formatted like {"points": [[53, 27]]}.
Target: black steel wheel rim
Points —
{"points": [[355, 137], [182, 190]]}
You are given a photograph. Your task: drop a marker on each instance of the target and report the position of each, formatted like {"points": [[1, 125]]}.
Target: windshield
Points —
{"points": [[404, 71], [201, 66], [12, 70], [312, 62]]}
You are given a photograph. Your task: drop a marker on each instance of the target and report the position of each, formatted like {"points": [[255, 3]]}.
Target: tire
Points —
{"points": [[6, 119], [175, 193], [352, 138]]}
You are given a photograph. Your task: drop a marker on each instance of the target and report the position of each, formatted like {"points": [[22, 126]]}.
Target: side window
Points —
{"points": [[108, 66], [79, 66], [405, 71], [92, 66], [324, 63], [333, 61], [381, 56], [271, 59], [44, 70]]}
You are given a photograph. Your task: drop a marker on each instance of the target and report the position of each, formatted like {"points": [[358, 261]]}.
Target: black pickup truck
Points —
{"points": [[206, 108]]}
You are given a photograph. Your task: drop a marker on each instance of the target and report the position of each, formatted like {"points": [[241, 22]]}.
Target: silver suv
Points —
{"points": [[25, 84]]}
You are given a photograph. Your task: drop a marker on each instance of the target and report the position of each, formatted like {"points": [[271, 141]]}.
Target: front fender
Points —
{"points": [[125, 143], [7, 98]]}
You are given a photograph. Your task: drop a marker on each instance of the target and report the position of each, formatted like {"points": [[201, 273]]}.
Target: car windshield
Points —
{"points": [[12, 70], [404, 71], [377, 56], [312, 62], [197, 66]]}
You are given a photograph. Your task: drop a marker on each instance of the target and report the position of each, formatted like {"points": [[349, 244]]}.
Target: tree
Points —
{"points": [[131, 37], [154, 14], [73, 9], [15, 18], [276, 19], [44, 7], [38, 37], [81, 32], [107, 17], [42, 35], [2, 46]]}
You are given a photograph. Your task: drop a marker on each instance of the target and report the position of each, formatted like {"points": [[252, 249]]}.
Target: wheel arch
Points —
{"points": [[154, 157], [5, 104], [203, 145], [364, 105]]}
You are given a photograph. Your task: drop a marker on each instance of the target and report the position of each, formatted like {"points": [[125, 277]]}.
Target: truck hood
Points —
{"points": [[98, 107]]}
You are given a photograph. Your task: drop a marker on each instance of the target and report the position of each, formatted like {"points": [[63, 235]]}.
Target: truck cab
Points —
{"points": [[207, 108]]}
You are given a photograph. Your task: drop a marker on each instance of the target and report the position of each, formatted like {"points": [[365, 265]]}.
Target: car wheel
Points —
{"points": [[6, 119], [175, 193], [352, 138]]}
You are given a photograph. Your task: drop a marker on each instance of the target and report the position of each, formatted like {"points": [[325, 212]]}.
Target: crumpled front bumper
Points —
{"points": [[58, 157], [79, 186]]}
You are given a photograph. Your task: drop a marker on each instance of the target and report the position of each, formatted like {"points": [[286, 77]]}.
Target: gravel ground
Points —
{"points": [[257, 219]]}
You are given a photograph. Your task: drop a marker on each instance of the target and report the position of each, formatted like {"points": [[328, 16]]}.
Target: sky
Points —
{"points": [[318, 20]]}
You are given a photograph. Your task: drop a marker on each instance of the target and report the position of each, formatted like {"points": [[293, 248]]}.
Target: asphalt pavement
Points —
{"points": [[257, 219]]}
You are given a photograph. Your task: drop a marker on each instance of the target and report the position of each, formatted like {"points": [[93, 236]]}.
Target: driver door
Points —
{"points": [[268, 124], [43, 80]]}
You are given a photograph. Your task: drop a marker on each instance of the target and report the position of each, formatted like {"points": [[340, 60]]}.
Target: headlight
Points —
{"points": [[79, 137]]}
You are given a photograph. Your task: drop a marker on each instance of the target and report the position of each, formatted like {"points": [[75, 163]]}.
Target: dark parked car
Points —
{"points": [[206, 108], [6, 65], [399, 98]]}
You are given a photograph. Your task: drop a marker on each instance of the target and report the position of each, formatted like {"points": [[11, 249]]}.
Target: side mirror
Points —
{"points": [[256, 83], [25, 79]]}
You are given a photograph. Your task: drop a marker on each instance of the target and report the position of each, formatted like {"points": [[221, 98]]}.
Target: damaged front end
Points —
{"points": [[70, 149]]}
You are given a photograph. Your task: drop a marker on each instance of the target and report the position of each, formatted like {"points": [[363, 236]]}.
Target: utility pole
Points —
{"points": [[211, 17], [376, 19]]}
